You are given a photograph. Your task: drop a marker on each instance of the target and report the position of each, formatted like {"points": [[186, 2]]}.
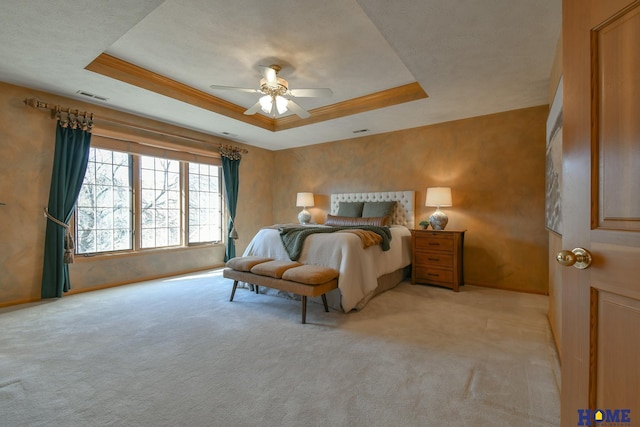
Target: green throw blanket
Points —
{"points": [[293, 237]]}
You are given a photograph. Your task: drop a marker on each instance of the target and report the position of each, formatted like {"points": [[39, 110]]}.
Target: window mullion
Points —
{"points": [[137, 203], [184, 203]]}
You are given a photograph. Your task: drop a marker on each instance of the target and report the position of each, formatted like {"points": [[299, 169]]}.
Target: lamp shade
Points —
{"points": [[304, 200], [439, 196]]}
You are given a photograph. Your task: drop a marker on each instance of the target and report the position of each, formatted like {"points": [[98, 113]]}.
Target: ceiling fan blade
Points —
{"points": [[298, 110], [311, 93], [270, 75], [237, 89], [253, 109]]}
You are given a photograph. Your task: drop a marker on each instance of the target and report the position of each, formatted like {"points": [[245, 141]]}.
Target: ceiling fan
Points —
{"points": [[274, 89]]}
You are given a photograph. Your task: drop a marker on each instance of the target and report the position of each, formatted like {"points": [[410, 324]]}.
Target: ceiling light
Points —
{"points": [[266, 102], [281, 104]]}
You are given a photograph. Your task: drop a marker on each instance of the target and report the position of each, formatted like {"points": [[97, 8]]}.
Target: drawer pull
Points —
{"points": [[433, 259], [434, 244], [433, 274]]}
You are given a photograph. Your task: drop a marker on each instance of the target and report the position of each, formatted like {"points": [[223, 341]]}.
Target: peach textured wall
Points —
{"points": [[27, 139], [494, 164], [26, 154]]}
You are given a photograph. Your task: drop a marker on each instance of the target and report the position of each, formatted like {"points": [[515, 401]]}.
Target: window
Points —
{"points": [[172, 203], [104, 208], [205, 204], [160, 210]]}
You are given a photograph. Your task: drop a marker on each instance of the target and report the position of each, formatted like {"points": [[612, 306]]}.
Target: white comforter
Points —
{"points": [[359, 268]]}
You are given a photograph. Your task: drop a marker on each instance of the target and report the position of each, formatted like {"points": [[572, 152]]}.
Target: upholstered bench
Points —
{"points": [[288, 276]]}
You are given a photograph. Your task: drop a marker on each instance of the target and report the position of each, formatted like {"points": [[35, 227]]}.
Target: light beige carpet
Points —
{"points": [[176, 352]]}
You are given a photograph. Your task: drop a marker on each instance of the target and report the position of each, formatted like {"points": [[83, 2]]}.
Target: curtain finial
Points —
{"points": [[231, 152]]}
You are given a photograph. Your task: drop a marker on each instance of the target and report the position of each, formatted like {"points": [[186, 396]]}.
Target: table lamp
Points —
{"points": [[305, 200], [438, 197]]}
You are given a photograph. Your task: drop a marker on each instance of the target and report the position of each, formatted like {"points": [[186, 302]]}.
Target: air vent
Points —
{"points": [[228, 135], [90, 95]]}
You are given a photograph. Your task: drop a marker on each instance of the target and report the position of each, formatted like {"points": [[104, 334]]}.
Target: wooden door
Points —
{"points": [[601, 212]]}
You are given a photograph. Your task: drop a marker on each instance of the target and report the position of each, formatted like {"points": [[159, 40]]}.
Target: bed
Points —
{"points": [[364, 273]]}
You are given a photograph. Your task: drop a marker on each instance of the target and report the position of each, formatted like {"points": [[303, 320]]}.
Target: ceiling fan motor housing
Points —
{"points": [[279, 87]]}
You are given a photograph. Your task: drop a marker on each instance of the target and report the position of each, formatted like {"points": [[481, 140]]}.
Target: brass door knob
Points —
{"points": [[579, 258]]}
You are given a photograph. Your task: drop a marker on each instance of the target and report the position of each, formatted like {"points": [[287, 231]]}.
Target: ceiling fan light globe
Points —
{"points": [[266, 103], [281, 104]]}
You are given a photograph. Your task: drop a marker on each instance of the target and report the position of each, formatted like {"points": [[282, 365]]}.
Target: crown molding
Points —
{"points": [[116, 68]]}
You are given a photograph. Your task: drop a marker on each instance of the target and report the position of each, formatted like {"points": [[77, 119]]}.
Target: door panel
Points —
{"points": [[617, 377], [617, 102]]}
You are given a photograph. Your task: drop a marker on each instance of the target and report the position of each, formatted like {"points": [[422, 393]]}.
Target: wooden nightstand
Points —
{"points": [[437, 257]]}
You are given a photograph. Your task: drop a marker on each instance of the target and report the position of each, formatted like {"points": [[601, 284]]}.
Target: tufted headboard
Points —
{"points": [[404, 213]]}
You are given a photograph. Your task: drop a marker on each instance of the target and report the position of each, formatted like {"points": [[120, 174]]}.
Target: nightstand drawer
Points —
{"points": [[433, 274], [435, 259], [434, 242]]}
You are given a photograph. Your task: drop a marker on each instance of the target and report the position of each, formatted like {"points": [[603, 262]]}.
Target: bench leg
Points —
{"points": [[233, 291], [324, 301], [304, 309], [257, 288]]}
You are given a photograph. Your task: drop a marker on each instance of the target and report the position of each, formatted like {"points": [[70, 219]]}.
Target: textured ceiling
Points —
{"points": [[471, 57]]}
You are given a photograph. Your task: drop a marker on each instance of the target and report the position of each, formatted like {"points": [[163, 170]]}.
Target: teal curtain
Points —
{"points": [[230, 172], [70, 159]]}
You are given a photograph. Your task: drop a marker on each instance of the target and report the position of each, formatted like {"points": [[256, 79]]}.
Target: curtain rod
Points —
{"points": [[32, 102], [55, 109]]}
